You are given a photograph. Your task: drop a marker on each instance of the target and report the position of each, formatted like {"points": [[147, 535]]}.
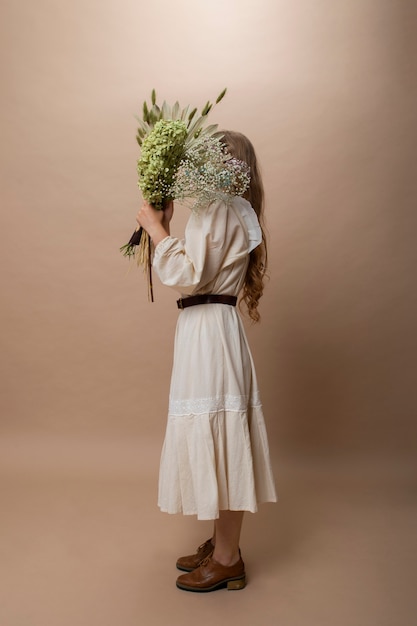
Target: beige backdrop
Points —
{"points": [[326, 92]]}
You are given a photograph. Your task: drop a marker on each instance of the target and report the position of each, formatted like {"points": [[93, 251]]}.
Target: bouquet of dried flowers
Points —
{"points": [[181, 159]]}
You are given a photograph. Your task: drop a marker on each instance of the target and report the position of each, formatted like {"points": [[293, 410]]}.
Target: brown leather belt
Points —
{"points": [[206, 298]]}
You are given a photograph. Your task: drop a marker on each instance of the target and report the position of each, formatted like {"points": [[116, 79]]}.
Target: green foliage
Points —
{"points": [[162, 152], [195, 125]]}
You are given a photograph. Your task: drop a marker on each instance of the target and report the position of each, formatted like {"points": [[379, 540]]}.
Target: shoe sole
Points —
{"points": [[231, 584]]}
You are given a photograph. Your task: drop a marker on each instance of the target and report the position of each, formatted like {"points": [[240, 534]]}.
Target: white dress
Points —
{"points": [[215, 454]]}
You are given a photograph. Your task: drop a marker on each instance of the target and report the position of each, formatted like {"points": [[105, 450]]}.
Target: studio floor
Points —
{"points": [[83, 543]]}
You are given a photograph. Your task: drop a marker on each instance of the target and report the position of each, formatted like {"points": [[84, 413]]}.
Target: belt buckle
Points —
{"points": [[180, 304]]}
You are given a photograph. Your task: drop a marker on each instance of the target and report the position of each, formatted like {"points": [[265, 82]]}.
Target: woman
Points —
{"points": [[215, 460]]}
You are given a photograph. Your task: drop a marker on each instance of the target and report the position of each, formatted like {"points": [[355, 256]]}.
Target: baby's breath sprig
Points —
{"points": [[208, 172]]}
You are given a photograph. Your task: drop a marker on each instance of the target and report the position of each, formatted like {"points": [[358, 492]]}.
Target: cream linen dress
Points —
{"points": [[215, 454]]}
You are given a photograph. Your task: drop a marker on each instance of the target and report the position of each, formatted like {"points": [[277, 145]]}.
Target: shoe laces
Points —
{"points": [[203, 545]]}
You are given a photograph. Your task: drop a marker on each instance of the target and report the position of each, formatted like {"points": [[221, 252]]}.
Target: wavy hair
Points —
{"points": [[240, 147]]}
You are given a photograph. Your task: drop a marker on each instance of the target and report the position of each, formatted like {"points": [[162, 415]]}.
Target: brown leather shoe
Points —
{"points": [[211, 575], [189, 563]]}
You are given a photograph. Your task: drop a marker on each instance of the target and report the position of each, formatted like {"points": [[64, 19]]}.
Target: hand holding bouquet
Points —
{"points": [[181, 159]]}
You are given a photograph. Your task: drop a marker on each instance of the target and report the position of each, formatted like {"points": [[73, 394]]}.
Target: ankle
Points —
{"points": [[227, 559]]}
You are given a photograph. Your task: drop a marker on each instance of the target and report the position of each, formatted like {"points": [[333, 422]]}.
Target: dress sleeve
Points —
{"points": [[209, 246]]}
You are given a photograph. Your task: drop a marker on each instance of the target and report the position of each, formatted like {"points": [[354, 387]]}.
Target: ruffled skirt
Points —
{"points": [[215, 454]]}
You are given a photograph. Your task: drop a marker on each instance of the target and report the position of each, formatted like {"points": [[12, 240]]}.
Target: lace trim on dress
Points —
{"points": [[199, 406]]}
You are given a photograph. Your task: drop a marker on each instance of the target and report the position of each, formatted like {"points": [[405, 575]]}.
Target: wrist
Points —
{"points": [[157, 233]]}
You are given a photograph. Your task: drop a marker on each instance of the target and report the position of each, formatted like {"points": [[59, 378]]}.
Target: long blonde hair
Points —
{"points": [[240, 147]]}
